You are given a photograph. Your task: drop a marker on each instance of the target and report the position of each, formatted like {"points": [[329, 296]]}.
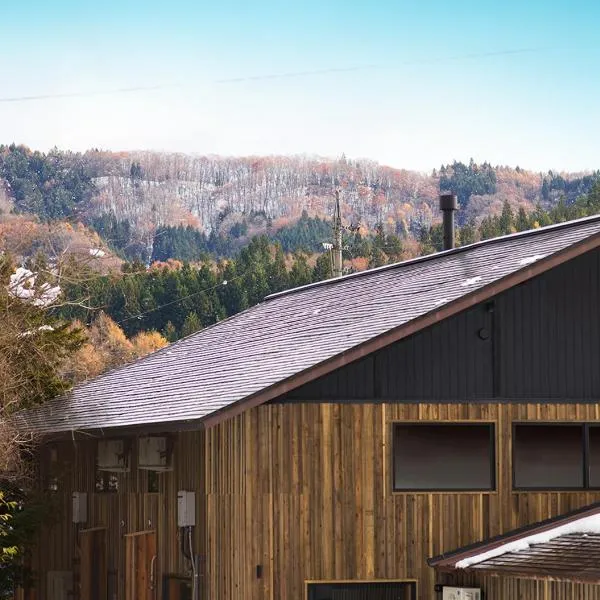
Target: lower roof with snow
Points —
{"points": [[565, 548], [299, 335]]}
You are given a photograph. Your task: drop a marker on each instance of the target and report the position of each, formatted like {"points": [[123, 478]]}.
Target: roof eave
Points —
{"points": [[447, 562], [490, 572]]}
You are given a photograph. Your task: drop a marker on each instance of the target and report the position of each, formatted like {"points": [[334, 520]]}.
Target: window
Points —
{"points": [[453, 456], [153, 484], [548, 456], [594, 455], [551, 456], [376, 590]]}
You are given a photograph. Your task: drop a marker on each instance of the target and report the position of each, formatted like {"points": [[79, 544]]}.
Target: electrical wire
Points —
{"points": [[140, 315], [369, 67], [194, 570], [277, 76], [210, 289], [128, 90]]}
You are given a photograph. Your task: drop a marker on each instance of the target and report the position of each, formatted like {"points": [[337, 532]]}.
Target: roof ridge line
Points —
{"points": [[434, 255]]}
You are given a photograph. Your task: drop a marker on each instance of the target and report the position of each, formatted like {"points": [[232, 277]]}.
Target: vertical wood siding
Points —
{"points": [[304, 490], [132, 509]]}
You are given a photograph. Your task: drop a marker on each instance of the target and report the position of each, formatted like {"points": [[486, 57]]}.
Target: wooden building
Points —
{"points": [[337, 436]]}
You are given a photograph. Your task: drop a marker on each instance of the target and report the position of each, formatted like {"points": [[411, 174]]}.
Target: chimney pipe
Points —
{"points": [[338, 265], [448, 204]]}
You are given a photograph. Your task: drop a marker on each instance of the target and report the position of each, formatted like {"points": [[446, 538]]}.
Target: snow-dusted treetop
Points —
{"points": [[23, 286]]}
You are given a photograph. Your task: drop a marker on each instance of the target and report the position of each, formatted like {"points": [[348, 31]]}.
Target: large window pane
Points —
{"points": [[443, 457], [548, 456], [594, 456]]}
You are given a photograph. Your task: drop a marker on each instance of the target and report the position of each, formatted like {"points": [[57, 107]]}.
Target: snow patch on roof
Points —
{"points": [[531, 259], [471, 281], [585, 525]]}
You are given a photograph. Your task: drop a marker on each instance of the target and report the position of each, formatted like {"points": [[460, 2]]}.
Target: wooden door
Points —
{"points": [[93, 574], [140, 566]]}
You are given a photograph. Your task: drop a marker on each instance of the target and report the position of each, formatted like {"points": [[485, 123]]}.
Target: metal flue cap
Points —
{"points": [[448, 202]]}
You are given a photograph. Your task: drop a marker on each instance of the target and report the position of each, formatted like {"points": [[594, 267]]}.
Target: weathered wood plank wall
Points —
{"points": [[304, 491], [130, 510]]}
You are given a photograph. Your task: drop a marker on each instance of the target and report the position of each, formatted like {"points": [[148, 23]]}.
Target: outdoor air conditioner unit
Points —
{"points": [[458, 593], [154, 453], [113, 456]]}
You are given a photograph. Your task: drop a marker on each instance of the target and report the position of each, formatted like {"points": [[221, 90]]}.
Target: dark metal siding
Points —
{"points": [[539, 340], [449, 361], [355, 381], [549, 329]]}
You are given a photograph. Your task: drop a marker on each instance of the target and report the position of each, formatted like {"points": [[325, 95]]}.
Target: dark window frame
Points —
{"points": [[585, 427], [491, 425]]}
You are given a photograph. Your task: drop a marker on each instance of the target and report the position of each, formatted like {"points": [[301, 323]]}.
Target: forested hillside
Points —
{"points": [[153, 206], [169, 243]]}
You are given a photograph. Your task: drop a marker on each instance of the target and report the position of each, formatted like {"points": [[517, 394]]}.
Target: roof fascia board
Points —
{"points": [[124, 431], [522, 575]]}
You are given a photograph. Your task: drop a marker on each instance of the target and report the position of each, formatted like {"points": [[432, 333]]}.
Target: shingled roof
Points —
{"points": [[298, 335], [564, 548]]}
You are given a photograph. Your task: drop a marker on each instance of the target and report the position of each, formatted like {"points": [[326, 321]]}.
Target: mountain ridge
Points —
{"points": [[237, 197]]}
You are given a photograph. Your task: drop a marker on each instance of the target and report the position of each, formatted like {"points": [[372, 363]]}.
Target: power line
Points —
{"points": [[277, 76], [292, 74], [369, 67], [151, 310], [127, 90]]}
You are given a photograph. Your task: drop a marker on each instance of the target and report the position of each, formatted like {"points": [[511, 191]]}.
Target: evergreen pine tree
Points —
{"points": [[191, 324]]}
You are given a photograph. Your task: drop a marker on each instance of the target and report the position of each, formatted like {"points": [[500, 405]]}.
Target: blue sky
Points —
{"points": [[411, 84]]}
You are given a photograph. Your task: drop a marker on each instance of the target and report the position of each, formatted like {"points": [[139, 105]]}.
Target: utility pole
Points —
{"points": [[337, 238]]}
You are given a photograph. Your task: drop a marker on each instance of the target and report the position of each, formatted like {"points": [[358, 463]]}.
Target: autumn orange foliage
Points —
{"points": [[147, 342], [170, 264], [108, 347]]}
